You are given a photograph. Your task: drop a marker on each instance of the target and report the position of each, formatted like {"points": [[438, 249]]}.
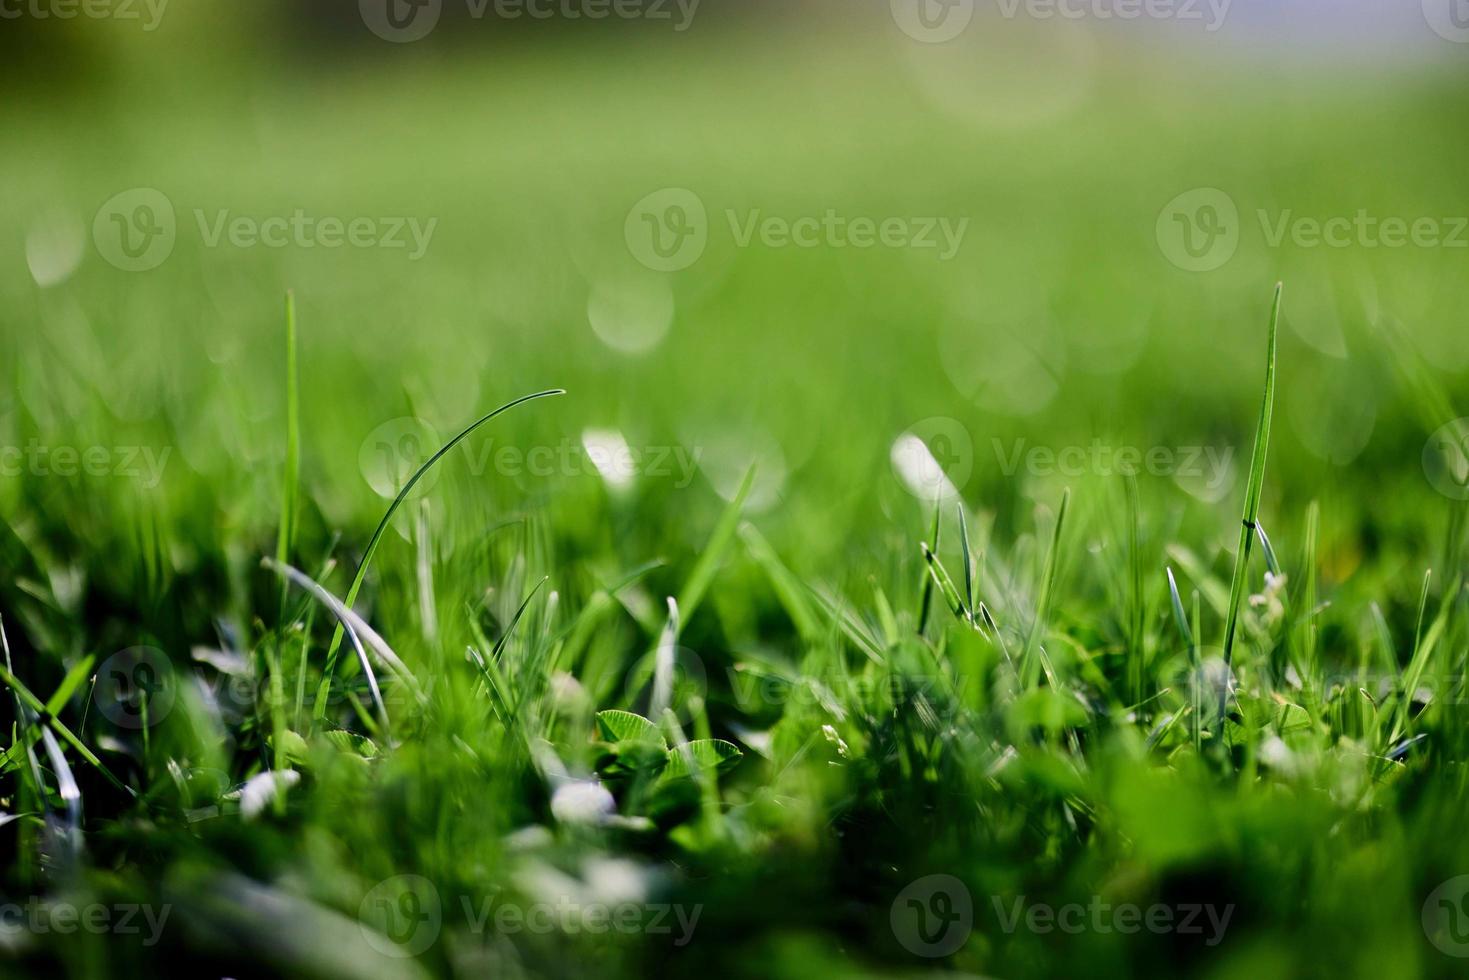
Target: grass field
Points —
{"points": [[874, 596]]}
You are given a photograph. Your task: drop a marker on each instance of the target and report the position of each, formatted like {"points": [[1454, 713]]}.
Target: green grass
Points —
{"points": [[783, 691]]}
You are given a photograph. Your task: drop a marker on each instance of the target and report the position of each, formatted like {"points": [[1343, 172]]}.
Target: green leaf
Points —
{"points": [[709, 754], [626, 726], [350, 742], [289, 745]]}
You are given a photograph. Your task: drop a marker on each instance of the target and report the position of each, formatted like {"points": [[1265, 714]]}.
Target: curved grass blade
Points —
{"points": [[350, 622], [357, 580], [347, 617], [66, 787], [1271, 562]]}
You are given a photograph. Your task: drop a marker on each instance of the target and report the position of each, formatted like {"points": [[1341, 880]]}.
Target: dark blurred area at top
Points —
{"points": [[41, 51]]}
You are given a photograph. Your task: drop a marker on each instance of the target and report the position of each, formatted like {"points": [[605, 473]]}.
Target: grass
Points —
{"points": [[781, 696]]}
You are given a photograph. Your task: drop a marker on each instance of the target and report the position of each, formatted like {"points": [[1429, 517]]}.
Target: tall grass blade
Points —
{"points": [[926, 599], [708, 564], [1252, 496], [1179, 617], [1033, 658]]}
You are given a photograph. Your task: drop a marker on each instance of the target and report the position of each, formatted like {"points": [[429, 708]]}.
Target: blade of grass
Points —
{"points": [[940, 576], [35, 705], [708, 564], [927, 597], [787, 587], [290, 490], [1196, 658], [73, 679], [357, 580], [968, 561], [1179, 617], [1136, 639], [1252, 497], [1033, 658]]}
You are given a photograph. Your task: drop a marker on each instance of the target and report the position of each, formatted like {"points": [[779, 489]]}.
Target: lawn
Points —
{"points": [[919, 533]]}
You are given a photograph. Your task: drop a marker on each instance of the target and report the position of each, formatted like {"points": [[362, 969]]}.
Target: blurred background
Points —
{"points": [[1077, 211]]}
